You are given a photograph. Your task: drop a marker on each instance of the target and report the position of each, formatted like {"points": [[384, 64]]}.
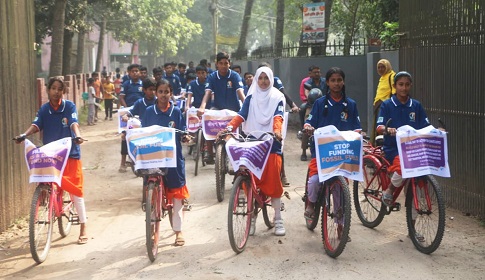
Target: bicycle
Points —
{"points": [[246, 201], [334, 201], [200, 150], [221, 168], [50, 203], [425, 207], [155, 202]]}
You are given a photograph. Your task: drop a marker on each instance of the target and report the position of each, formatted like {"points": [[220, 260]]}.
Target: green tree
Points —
{"points": [[241, 48]]}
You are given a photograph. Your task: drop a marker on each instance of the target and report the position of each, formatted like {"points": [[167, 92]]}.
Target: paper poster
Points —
{"points": [[422, 152], [152, 147], [253, 155], [193, 121], [338, 153], [313, 30], [214, 121], [122, 125], [46, 164]]}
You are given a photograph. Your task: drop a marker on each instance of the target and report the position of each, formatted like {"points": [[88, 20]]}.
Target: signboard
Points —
{"points": [[253, 155], [313, 30]]}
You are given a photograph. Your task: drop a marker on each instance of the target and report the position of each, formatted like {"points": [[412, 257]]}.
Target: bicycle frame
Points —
{"points": [[158, 181]]}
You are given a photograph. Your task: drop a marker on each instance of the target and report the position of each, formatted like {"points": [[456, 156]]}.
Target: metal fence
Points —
{"points": [[17, 104], [443, 46], [298, 49]]}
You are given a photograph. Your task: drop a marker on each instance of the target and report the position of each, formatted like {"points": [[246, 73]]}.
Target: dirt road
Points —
{"points": [[116, 247]]}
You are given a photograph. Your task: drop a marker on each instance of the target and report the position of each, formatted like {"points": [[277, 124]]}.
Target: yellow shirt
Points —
{"points": [[384, 88], [109, 90]]}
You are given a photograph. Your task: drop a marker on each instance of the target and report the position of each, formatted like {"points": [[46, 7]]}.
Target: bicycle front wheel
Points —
{"points": [[220, 169], [239, 213], [41, 223], [197, 152], [152, 220], [336, 216], [65, 221], [426, 224], [369, 208]]}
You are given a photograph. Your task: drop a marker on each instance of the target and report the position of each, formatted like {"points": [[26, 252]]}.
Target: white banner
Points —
{"points": [[422, 152], [214, 121], [193, 121], [122, 125], [47, 163], [253, 155], [152, 147], [338, 153]]}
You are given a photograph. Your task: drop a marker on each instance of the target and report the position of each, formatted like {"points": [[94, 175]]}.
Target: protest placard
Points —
{"points": [[422, 152], [214, 121], [253, 154], [193, 121], [338, 153]]}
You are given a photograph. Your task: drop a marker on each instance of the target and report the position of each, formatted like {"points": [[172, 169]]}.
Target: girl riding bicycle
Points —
{"points": [[403, 110], [57, 119], [263, 111], [335, 108], [164, 113]]}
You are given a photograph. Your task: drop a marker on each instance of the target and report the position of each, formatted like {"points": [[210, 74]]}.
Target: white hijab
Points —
{"points": [[263, 104]]}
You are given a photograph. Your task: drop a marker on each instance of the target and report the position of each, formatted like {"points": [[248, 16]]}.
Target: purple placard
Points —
{"points": [[423, 152], [38, 159], [253, 155]]}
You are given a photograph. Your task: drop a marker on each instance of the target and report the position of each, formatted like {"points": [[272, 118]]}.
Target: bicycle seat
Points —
{"points": [[152, 171]]}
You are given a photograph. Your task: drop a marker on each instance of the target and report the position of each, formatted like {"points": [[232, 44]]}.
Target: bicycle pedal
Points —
{"points": [[396, 207], [75, 220], [282, 208], [241, 202], [287, 195]]}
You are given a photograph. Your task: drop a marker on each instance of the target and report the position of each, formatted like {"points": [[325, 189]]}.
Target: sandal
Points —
{"points": [[83, 239], [179, 241], [310, 215], [387, 199]]}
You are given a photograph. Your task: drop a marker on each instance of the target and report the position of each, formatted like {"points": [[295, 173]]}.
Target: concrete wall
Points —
{"points": [[361, 76]]}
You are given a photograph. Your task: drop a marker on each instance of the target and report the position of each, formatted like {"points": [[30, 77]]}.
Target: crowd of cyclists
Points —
{"points": [[258, 98]]}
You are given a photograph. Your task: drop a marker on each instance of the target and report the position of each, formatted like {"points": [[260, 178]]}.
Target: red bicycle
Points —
{"points": [[246, 200], [50, 203], [425, 206]]}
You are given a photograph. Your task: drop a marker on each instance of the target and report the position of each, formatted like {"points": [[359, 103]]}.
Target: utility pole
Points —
{"points": [[213, 11]]}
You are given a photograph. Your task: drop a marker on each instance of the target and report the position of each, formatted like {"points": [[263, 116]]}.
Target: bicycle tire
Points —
{"points": [[335, 235], [203, 150], [152, 220], [312, 223], [65, 221], [266, 216], [40, 224], [197, 151], [220, 169], [239, 213], [367, 202], [425, 218]]}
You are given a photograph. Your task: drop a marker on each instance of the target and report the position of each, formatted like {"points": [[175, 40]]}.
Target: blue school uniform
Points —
{"points": [[335, 115], [278, 84], [198, 91], [276, 148], [175, 177], [140, 106], [56, 124], [174, 80], [132, 91], [225, 90], [411, 113]]}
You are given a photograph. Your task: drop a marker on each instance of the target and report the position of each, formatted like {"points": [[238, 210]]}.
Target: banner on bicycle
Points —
{"points": [[122, 125], [214, 121], [47, 163], [152, 147], [422, 152], [338, 153], [252, 154], [193, 121]]}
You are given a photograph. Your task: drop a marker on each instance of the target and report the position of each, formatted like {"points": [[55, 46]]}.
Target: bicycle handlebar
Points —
{"points": [[21, 138]]}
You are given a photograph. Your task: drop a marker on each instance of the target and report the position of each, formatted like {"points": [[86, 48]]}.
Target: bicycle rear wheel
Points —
{"points": [[65, 221], [152, 220], [239, 213], [369, 208], [220, 169], [336, 216], [426, 225], [197, 151], [41, 224]]}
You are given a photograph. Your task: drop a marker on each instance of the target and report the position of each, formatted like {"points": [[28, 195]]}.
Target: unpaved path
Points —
{"points": [[116, 248]]}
